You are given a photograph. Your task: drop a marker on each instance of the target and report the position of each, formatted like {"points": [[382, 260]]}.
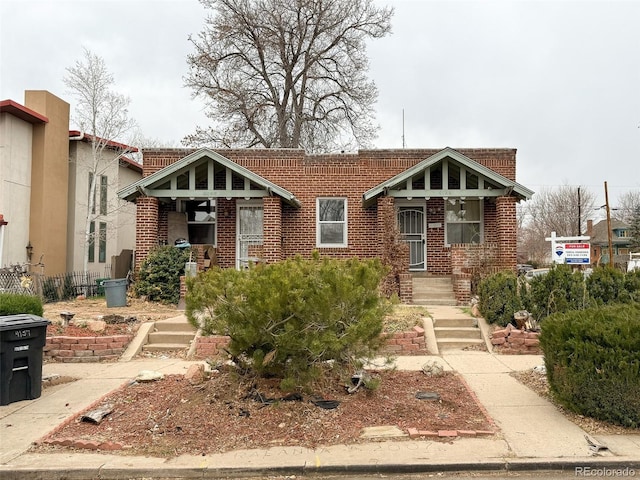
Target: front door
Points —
{"points": [[249, 234], [411, 226]]}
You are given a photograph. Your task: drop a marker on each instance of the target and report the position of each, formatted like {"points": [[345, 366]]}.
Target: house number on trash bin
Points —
{"points": [[22, 333]]}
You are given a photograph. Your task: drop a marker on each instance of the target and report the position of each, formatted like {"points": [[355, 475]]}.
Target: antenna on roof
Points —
{"points": [[403, 128]]}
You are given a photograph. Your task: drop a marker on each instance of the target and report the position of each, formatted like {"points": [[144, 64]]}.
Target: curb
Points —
{"points": [[509, 465]]}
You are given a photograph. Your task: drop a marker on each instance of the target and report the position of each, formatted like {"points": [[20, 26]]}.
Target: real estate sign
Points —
{"points": [[571, 250]]}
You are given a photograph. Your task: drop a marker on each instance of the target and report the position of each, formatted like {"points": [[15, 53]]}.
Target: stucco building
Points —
{"points": [[44, 190]]}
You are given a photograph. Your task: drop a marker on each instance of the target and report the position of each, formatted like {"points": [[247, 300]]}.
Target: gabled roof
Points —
{"points": [[396, 181], [146, 185], [600, 236]]}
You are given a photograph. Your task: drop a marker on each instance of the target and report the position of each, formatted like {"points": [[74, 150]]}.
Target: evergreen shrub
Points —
{"points": [[499, 298], [592, 358], [159, 275], [15, 303], [291, 319], [606, 285], [560, 290]]}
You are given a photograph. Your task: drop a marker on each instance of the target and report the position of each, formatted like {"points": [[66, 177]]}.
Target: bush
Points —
{"points": [[159, 275], [499, 298], [560, 290], [606, 285], [14, 303], [290, 318], [631, 291], [593, 361]]}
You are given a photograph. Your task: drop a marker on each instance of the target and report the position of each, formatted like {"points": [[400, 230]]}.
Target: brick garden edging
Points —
{"points": [[85, 349], [513, 340], [412, 342]]}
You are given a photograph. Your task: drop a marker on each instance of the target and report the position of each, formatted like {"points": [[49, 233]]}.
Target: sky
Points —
{"points": [[557, 80]]}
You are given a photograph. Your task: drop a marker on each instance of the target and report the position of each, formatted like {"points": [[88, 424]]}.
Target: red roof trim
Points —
{"points": [[22, 112], [131, 164], [110, 143]]}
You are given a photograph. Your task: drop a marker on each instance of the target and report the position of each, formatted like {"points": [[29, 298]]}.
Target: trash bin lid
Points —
{"points": [[22, 320]]}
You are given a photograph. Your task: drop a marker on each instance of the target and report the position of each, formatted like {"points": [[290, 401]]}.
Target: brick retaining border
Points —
{"points": [[516, 341], [85, 349], [412, 342]]}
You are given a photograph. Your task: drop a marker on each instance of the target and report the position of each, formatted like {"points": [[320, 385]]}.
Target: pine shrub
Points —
{"points": [[560, 290], [499, 298], [606, 285], [14, 303], [159, 275], [592, 358], [291, 319]]}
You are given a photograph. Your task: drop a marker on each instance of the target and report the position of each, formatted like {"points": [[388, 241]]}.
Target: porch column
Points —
{"points": [[146, 227], [272, 228], [386, 221], [507, 232]]}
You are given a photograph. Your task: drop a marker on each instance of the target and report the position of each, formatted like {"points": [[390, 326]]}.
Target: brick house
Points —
{"points": [[454, 208]]}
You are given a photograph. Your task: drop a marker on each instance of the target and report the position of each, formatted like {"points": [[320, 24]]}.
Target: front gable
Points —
{"points": [[445, 174], [205, 174]]}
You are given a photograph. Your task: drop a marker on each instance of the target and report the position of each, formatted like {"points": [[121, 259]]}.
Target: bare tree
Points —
{"points": [[562, 210], [628, 203], [286, 73], [102, 117]]}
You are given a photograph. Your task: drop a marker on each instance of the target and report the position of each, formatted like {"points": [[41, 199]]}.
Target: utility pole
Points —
{"points": [[606, 201], [579, 214], [403, 128]]}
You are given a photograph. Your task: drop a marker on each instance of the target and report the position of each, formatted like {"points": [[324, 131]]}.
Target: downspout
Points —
{"points": [[3, 222], [78, 137]]}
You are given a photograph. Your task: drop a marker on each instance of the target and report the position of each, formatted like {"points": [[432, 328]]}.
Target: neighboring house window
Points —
{"points": [[201, 221], [92, 242], [623, 234], [331, 222], [464, 221], [102, 243], [93, 209], [103, 194]]}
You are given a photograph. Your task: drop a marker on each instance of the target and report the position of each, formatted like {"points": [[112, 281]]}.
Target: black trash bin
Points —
{"points": [[22, 338]]}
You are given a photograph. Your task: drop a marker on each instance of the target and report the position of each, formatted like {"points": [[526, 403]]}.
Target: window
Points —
{"points": [[331, 222], [201, 221], [93, 209], [102, 243], [103, 194], [92, 242], [464, 221]]}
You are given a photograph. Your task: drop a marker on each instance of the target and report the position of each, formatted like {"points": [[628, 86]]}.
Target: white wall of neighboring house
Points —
{"points": [[127, 211], [120, 217], [15, 186]]}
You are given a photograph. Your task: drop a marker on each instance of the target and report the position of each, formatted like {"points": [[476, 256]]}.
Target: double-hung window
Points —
{"points": [[464, 221], [331, 222]]}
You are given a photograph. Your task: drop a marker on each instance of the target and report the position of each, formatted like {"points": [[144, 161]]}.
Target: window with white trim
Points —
{"points": [[331, 222], [463, 220]]}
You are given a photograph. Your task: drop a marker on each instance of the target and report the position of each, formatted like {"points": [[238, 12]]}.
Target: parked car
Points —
{"points": [[536, 272], [523, 268]]}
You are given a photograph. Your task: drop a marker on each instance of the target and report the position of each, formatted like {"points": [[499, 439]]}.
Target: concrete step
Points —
{"points": [[434, 301], [457, 343], [164, 347], [183, 338], [173, 326], [457, 333], [456, 322]]}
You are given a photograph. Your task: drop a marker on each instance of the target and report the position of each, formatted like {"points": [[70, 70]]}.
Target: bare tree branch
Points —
{"points": [[286, 73]]}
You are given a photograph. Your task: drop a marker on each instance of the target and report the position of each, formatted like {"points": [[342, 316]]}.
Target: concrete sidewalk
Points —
{"points": [[533, 433]]}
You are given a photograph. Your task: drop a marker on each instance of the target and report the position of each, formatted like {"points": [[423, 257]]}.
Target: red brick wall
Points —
{"points": [[85, 349], [339, 175], [146, 227], [507, 231]]}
